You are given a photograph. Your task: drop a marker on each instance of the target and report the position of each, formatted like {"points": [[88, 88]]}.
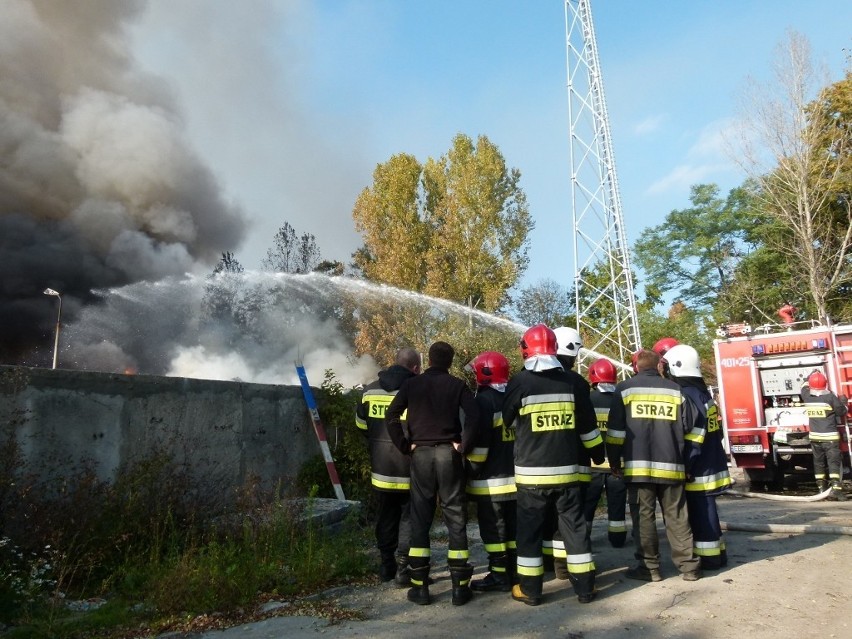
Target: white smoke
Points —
{"points": [[199, 362]]}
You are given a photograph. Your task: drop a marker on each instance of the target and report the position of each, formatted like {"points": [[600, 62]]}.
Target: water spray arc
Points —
{"points": [[603, 281]]}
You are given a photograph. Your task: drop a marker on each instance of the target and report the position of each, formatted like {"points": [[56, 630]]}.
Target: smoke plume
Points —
{"points": [[98, 186]]}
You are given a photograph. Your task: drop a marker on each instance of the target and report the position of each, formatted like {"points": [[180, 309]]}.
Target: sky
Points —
{"points": [[139, 140], [292, 104]]}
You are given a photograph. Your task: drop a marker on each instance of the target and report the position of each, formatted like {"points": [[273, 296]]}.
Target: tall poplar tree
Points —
{"points": [[456, 227]]}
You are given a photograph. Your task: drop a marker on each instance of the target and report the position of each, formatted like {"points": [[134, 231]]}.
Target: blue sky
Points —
{"points": [[293, 103]]}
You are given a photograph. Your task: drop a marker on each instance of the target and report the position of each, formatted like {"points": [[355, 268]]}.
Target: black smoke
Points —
{"points": [[98, 186]]}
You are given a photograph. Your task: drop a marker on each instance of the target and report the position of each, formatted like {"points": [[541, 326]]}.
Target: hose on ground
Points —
{"points": [[786, 528], [818, 497]]}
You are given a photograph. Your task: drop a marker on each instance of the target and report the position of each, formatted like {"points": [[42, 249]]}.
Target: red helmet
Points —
{"points": [[538, 340], [602, 371], [663, 345], [490, 367], [634, 360], [817, 381]]}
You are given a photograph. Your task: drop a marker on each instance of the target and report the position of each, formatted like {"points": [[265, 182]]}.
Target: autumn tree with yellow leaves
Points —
{"points": [[455, 228]]}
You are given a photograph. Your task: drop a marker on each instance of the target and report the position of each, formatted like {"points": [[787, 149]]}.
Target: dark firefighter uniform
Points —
{"points": [[825, 411], [435, 402], [553, 420], [389, 469], [602, 480], [649, 424], [707, 477], [553, 546], [491, 482]]}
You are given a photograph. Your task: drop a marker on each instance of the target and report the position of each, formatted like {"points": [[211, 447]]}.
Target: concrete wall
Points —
{"points": [[229, 431]]}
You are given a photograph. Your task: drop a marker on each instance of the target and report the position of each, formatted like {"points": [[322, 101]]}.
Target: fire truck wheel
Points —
{"points": [[765, 479]]}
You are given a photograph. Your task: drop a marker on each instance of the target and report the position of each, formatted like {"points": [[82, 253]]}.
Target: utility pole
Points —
{"points": [[603, 281]]}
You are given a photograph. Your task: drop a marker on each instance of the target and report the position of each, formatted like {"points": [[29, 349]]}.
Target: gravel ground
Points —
{"points": [[776, 584]]}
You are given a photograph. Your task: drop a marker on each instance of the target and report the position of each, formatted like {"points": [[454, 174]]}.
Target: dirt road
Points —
{"points": [[775, 585]]}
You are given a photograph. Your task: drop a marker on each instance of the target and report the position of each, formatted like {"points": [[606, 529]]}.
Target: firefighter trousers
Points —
{"points": [[393, 527], [707, 541], [616, 505], [497, 526], [534, 503], [437, 476], [672, 500], [828, 463], [552, 545]]}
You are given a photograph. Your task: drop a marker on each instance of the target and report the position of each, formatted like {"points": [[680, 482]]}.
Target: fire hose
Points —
{"points": [[816, 529]]}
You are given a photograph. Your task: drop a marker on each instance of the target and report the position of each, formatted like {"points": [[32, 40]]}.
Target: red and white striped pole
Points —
{"points": [[320, 431]]}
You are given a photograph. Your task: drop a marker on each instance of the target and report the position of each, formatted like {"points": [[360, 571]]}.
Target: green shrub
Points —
{"points": [[156, 545]]}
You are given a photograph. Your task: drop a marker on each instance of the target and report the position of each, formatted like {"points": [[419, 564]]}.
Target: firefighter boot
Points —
{"points": [[403, 578], [518, 594], [461, 584], [419, 591], [498, 577], [387, 567], [822, 485], [837, 492]]}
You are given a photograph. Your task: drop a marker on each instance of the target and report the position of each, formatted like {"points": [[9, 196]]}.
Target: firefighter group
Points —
{"points": [[535, 451]]}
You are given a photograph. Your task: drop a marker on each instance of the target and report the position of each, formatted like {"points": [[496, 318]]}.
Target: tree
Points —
{"points": [[797, 154], [228, 263], [389, 215], [307, 254], [454, 228], [547, 302], [684, 324], [696, 250], [229, 302], [292, 253], [603, 319], [330, 267], [479, 223]]}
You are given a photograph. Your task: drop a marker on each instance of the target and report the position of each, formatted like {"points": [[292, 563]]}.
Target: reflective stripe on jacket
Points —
{"points": [[554, 421], [649, 422]]}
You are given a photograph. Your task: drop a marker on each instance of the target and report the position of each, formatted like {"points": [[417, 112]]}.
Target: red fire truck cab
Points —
{"points": [[760, 375]]}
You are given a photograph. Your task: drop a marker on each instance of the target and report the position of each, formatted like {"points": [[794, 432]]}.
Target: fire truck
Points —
{"points": [[760, 374]]}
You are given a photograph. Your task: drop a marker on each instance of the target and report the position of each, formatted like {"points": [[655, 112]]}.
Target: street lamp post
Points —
{"points": [[50, 291]]}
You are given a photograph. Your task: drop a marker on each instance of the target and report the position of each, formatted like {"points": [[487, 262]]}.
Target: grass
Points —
{"points": [[161, 549], [184, 573]]}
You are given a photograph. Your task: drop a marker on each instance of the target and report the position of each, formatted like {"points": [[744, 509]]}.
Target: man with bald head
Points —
{"points": [[651, 428], [389, 469]]}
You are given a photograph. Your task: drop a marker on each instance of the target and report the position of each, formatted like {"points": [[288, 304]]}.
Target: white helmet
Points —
{"points": [[569, 341], [683, 361]]}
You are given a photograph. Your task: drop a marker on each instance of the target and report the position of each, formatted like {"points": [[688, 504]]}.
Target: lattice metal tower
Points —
{"points": [[603, 282]]}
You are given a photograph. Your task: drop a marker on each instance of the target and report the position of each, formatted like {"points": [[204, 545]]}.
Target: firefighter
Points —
{"points": [[491, 473], [568, 343], [389, 469], [707, 472], [442, 420], [825, 411], [662, 345], [553, 420], [602, 376], [649, 424]]}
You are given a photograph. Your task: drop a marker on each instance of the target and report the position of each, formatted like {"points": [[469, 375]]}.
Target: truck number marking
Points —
{"points": [[735, 362]]}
